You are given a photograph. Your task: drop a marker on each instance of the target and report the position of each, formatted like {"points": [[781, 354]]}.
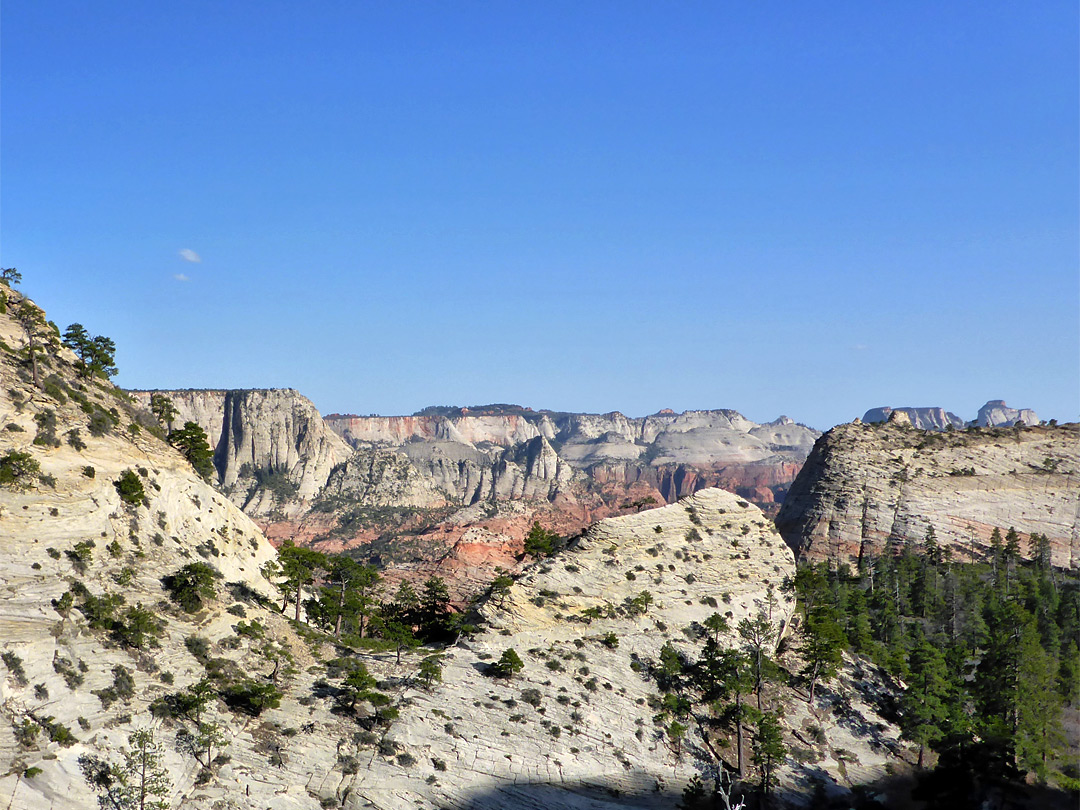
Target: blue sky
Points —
{"points": [[809, 209]]}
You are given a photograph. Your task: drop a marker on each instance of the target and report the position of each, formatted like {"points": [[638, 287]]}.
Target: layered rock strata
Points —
{"points": [[351, 480], [864, 484]]}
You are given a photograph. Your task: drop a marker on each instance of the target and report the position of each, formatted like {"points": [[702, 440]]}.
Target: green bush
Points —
{"points": [[82, 555], [123, 687], [130, 488], [198, 647], [191, 442], [532, 697], [251, 697], [192, 586], [18, 470], [508, 664], [46, 432], [58, 732], [138, 628], [15, 667], [101, 422]]}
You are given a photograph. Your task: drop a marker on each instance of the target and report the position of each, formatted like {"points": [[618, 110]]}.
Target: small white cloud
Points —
{"points": [[860, 347], [181, 277], [189, 255]]}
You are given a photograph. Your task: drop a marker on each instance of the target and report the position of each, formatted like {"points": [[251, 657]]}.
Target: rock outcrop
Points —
{"points": [[994, 413], [922, 418], [864, 484]]}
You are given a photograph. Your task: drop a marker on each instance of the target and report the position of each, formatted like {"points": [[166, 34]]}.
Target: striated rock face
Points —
{"points": [[864, 484], [261, 431], [351, 480], [674, 453], [996, 413]]}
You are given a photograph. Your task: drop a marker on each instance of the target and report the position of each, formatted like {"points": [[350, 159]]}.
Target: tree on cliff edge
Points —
{"points": [[191, 441]]}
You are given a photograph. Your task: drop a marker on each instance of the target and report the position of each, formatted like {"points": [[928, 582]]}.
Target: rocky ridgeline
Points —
{"points": [[864, 483], [467, 485], [673, 453], [462, 458]]}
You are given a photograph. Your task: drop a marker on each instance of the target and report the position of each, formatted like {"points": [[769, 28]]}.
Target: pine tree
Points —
{"points": [[299, 567], [823, 650], [434, 609], [347, 593], [924, 705], [31, 319], [1039, 732], [191, 441], [930, 546], [1012, 555], [997, 556], [140, 783], [163, 409], [769, 752], [758, 635]]}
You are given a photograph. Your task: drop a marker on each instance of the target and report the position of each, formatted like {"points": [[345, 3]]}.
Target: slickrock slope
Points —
{"points": [[863, 484], [67, 523], [697, 438], [576, 728]]}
